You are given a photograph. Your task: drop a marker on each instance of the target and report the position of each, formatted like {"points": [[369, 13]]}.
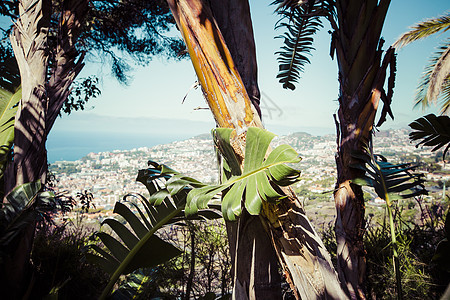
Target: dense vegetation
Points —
{"points": [[171, 242]]}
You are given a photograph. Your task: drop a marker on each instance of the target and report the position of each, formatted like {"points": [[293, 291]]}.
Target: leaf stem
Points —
{"points": [[398, 275], [106, 292]]}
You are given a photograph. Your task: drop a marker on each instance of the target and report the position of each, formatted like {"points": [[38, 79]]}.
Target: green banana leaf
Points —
{"points": [[134, 285], [8, 108], [22, 207], [258, 181], [138, 246]]}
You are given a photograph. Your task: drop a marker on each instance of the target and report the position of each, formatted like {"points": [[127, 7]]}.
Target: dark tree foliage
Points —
{"points": [[134, 27], [118, 31], [9, 8], [83, 89], [9, 71]]}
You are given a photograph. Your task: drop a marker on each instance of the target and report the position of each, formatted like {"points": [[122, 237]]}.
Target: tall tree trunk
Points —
{"points": [[41, 101], [252, 246], [302, 256], [361, 76], [29, 42]]}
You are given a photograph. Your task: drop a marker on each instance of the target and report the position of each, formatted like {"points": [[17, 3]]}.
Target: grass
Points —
{"points": [[418, 235]]}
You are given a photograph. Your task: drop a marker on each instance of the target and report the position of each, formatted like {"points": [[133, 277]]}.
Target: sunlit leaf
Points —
{"points": [[254, 185], [8, 108]]}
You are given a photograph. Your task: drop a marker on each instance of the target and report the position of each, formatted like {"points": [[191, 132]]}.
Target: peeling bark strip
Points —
{"points": [[220, 80], [301, 253]]}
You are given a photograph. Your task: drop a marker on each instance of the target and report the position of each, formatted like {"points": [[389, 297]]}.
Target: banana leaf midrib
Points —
{"points": [[235, 179], [135, 250]]}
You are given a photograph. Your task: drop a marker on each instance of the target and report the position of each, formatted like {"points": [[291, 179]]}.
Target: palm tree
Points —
{"points": [[357, 43], [435, 81]]}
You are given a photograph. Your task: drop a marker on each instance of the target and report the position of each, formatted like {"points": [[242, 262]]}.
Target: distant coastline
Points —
{"points": [[71, 146]]}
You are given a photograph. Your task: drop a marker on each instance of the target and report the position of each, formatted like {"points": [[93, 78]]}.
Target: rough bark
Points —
{"points": [[68, 60], [361, 76], [303, 258], [246, 242], [41, 101], [29, 42]]}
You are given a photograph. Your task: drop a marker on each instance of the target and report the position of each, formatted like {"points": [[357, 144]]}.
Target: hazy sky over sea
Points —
{"points": [[151, 105]]}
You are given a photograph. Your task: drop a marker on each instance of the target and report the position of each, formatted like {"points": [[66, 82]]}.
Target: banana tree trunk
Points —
{"points": [[284, 228], [252, 245], [362, 74]]}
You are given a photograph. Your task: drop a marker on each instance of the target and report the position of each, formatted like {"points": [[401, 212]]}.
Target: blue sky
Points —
{"points": [[152, 102]]}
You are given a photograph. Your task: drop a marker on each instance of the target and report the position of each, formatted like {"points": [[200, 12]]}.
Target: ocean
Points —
{"points": [[77, 135], [72, 146]]}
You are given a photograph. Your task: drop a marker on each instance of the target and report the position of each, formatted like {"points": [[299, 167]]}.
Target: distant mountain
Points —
{"points": [[300, 134], [203, 136]]}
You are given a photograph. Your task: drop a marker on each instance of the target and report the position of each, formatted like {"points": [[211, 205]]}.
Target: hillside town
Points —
{"points": [[111, 175]]}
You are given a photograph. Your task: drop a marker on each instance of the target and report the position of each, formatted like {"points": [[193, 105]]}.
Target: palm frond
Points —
{"points": [[389, 181], [300, 23], [435, 78], [444, 97], [439, 77], [431, 131], [423, 30]]}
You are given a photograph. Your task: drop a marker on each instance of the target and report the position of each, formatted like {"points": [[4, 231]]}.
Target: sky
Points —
{"points": [[150, 111]]}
